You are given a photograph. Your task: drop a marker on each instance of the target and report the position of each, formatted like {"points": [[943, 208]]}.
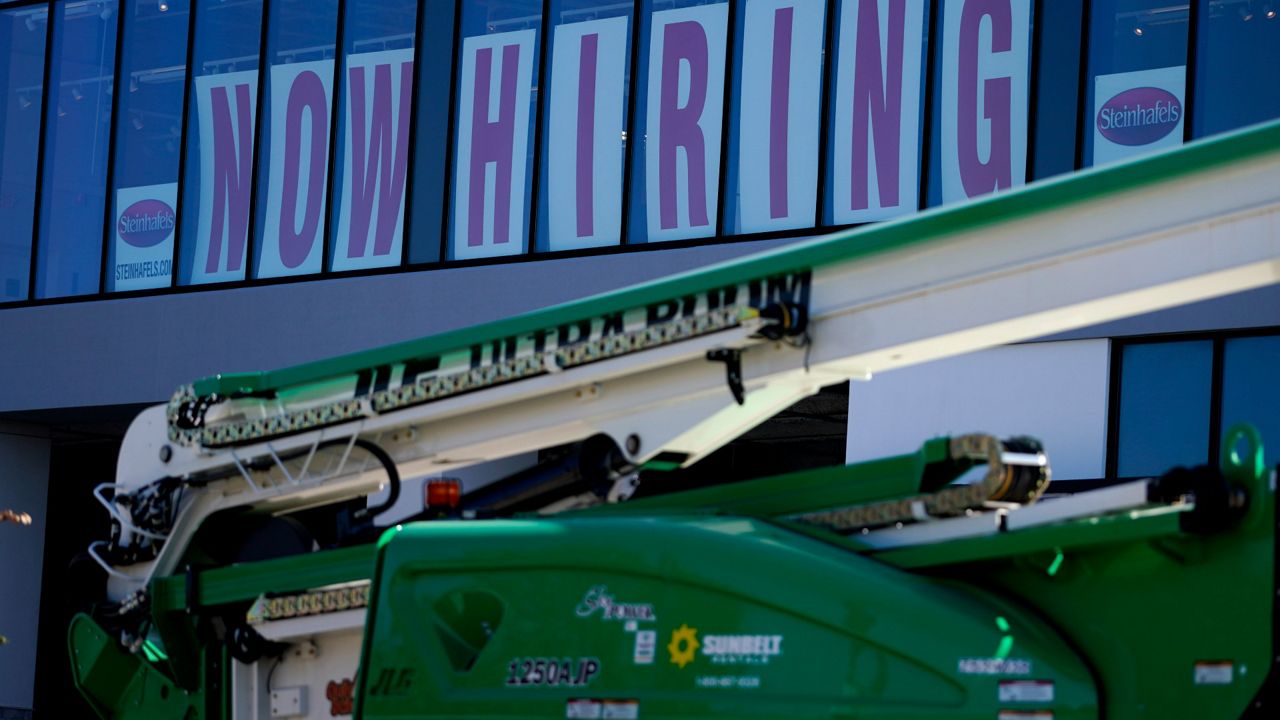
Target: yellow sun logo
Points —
{"points": [[683, 645]]}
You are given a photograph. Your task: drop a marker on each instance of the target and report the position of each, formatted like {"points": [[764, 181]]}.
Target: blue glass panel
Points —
{"points": [[72, 212], [1137, 70], [22, 43], [153, 58], [296, 122], [1164, 406], [1237, 54], [494, 123], [218, 174], [1250, 392], [675, 178], [371, 161], [584, 130]]}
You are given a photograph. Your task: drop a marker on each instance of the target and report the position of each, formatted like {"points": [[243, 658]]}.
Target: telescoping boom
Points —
{"points": [[657, 376]]}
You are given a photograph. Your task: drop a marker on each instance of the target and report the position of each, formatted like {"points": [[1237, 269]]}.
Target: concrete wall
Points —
{"points": [[1055, 391], [24, 487]]}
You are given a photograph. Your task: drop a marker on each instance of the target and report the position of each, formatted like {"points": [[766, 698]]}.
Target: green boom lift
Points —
{"points": [[251, 573]]}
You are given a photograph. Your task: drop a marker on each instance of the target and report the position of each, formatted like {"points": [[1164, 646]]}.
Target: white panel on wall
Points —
{"points": [[1055, 391], [24, 487]]}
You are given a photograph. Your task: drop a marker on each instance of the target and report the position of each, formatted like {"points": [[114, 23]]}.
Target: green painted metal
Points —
{"points": [[122, 686], [862, 242], [748, 619]]}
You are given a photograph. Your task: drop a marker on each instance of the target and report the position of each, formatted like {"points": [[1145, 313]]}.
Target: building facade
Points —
{"points": [[190, 187]]}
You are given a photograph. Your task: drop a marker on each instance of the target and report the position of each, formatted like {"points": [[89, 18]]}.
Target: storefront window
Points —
{"points": [[775, 113], [221, 120], [1249, 391], [296, 122], [1237, 57], [1136, 92], [584, 131], [679, 118], [77, 135], [1164, 406], [981, 91], [494, 129], [876, 121], [148, 140], [372, 143], [22, 43]]}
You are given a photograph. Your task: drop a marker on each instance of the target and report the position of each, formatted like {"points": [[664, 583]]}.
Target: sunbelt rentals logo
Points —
{"points": [[722, 649]]}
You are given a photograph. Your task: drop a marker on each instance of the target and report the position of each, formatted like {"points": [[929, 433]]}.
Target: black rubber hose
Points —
{"points": [[389, 465]]}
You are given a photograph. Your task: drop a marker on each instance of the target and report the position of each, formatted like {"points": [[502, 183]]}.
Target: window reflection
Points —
{"points": [[81, 88], [1237, 58], [1164, 406], [22, 42]]}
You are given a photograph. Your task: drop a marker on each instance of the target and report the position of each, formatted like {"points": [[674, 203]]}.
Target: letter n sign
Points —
{"points": [[490, 207], [685, 104], [225, 105]]}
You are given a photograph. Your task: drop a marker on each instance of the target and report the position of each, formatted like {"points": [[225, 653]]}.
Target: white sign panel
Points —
{"points": [[490, 170], [986, 68], [876, 133], [685, 107], [375, 159], [145, 220], [1137, 112], [226, 108], [779, 113], [298, 172], [584, 135]]}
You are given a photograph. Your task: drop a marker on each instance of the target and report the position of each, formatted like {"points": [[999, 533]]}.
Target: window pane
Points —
{"points": [[293, 162], [219, 143], [982, 79], [148, 136], [675, 165], [1237, 54], [22, 40], [494, 126], [1137, 78], [72, 209], [874, 139], [372, 159], [1249, 389], [771, 182], [1164, 406], [584, 131]]}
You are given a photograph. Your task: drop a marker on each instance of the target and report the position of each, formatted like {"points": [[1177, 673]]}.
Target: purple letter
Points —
{"points": [[586, 133], [307, 93], [682, 41], [976, 176], [492, 142], [381, 162], [232, 171], [779, 104], [877, 105]]}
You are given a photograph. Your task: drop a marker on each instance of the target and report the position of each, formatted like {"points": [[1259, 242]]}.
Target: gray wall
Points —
{"points": [[24, 487], [140, 349]]}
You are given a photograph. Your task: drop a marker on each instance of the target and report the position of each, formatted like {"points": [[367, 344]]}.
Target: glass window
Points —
{"points": [[221, 118], [982, 79], [293, 158], [148, 136], [1249, 389], [1237, 54], [876, 116], [433, 111], [775, 113], [77, 134], [1164, 406], [22, 41], [679, 112], [494, 129], [584, 131], [372, 161], [1137, 78], [1058, 41]]}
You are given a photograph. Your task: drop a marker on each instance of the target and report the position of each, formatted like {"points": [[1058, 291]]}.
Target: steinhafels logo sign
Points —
{"points": [[146, 223], [1137, 112]]}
